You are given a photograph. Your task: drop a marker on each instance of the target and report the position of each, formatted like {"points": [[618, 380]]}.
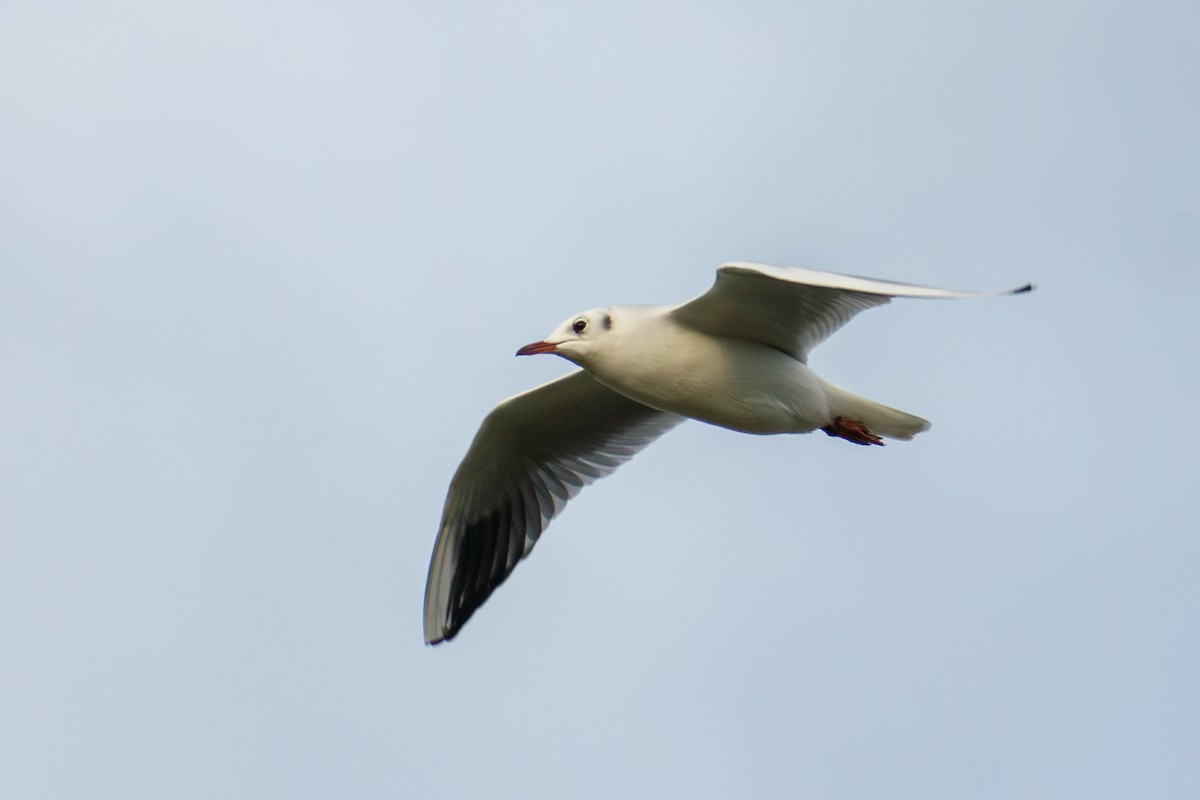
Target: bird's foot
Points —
{"points": [[851, 431]]}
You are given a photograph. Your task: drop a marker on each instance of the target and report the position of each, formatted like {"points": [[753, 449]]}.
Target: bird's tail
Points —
{"points": [[880, 419]]}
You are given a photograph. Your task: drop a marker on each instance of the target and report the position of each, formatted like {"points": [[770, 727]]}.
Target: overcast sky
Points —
{"points": [[263, 268]]}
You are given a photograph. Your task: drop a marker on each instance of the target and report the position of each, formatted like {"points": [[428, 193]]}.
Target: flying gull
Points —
{"points": [[736, 357]]}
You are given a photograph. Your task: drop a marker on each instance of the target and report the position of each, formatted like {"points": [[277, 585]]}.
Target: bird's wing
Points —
{"points": [[533, 453], [790, 308]]}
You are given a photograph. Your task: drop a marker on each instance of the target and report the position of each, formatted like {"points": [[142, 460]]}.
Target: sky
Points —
{"points": [[264, 267]]}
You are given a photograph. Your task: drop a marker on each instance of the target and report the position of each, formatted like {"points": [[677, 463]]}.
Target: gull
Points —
{"points": [[735, 357]]}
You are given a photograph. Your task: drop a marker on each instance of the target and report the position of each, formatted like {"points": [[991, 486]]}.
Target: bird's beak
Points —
{"points": [[537, 347]]}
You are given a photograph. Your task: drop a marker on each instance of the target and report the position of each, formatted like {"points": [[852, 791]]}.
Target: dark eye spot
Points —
{"points": [[579, 326]]}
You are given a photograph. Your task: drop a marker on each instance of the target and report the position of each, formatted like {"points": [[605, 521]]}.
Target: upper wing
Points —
{"points": [[793, 309], [533, 453]]}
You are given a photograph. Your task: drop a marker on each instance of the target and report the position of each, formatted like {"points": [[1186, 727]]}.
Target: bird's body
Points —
{"points": [[735, 357], [733, 383]]}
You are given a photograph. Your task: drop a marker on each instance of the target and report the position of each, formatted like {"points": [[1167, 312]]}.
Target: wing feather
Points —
{"points": [[794, 309], [533, 453]]}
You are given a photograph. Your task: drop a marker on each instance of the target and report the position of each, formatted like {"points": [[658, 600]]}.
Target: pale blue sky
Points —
{"points": [[264, 269]]}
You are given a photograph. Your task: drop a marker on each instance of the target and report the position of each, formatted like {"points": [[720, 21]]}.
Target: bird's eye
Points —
{"points": [[579, 326]]}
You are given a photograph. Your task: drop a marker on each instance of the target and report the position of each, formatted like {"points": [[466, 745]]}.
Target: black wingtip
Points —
{"points": [[1029, 287]]}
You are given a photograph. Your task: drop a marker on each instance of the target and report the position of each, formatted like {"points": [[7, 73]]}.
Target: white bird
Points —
{"points": [[735, 357]]}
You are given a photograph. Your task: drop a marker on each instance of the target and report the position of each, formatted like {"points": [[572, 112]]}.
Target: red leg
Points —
{"points": [[852, 431]]}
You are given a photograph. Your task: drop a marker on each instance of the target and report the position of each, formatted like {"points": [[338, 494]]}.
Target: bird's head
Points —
{"points": [[576, 337]]}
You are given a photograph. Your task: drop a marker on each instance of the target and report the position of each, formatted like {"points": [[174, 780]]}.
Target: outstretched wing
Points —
{"points": [[794, 309], [533, 453]]}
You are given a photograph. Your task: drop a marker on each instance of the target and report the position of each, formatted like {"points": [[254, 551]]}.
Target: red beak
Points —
{"points": [[537, 347]]}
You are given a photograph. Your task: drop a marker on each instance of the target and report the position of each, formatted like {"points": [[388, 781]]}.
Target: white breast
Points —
{"points": [[732, 383]]}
